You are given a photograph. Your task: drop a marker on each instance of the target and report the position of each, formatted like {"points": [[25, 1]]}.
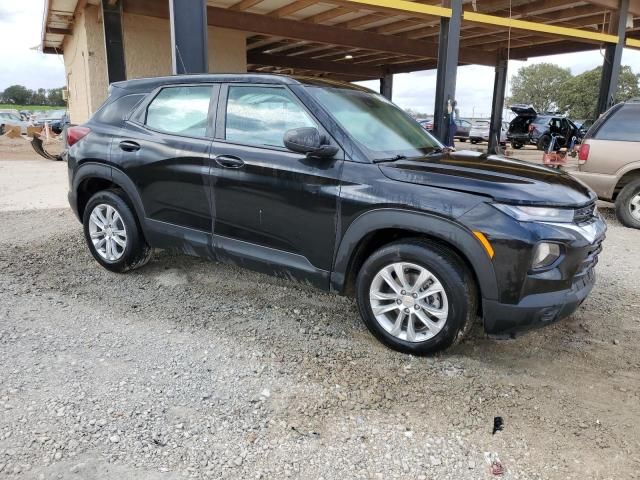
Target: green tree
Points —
{"points": [[54, 97], [539, 85], [17, 94], [579, 97]]}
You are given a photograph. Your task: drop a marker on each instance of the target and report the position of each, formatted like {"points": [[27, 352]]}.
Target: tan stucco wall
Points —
{"points": [[147, 45], [86, 65], [227, 50]]}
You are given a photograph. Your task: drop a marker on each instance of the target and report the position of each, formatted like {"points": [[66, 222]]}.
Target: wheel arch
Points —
{"points": [[376, 228], [632, 173], [93, 177]]}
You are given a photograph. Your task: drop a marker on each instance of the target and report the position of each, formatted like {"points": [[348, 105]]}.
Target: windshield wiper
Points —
{"points": [[390, 159]]}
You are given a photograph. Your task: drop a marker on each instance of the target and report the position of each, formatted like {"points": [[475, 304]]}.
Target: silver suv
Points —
{"points": [[609, 160]]}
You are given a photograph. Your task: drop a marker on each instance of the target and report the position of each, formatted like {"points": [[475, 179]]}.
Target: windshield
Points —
{"points": [[382, 130]]}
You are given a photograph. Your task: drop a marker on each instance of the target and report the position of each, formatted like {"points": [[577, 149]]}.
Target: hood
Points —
{"points": [[524, 110], [500, 178]]}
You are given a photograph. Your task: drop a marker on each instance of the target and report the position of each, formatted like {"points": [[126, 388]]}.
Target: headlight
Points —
{"points": [[536, 214], [545, 255]]}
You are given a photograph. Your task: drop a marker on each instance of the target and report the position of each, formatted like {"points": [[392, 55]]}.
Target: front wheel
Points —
{"points": [[517, 145], [416, 297], [112, 232], [628, 204]]}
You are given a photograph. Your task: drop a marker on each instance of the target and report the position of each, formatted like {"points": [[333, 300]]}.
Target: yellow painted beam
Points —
{"points": [[633, 42], [539, 27], [403, 6]]}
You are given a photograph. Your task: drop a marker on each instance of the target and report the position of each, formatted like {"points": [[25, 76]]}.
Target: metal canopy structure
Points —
{"points": [[373, 39]]}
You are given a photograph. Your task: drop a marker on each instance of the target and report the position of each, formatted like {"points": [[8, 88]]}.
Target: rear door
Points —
{"points": [[272, 207], [165, 151]]}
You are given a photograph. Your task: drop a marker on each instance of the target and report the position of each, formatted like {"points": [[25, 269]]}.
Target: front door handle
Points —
{"points": [[129, 146], [229, 161]]}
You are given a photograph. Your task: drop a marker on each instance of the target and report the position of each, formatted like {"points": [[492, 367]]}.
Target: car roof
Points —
{"points": [[148, 84]]}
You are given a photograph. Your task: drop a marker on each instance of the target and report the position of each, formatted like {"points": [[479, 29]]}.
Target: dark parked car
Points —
{"points": [[56, 119], [462, 130], [529, 127], [333, 186]]}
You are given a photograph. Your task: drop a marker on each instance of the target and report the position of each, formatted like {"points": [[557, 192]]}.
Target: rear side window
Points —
{"points": [[115, 112], [261, 115], [180, 110], [623, 125]]}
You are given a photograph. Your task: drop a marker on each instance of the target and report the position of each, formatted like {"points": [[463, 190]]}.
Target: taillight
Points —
{"points": [[75, 134], [583, 153]]}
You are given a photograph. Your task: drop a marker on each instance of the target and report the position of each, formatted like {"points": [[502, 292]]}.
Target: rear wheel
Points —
{"points": [[473, 141], [113, 234], [463, 140], [517, 145], [628, 204], [416, 297], [543, 142]]}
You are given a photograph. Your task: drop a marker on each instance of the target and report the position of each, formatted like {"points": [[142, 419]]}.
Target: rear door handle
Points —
{"points": [[229, 161], [129, 146]]}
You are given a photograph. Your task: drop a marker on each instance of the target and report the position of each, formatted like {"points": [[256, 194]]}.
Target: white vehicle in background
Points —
{"points": [[11, 118], [480, 132]]}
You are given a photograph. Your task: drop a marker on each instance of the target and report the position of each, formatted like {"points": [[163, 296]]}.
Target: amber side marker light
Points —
{"points": [[485, 243]]}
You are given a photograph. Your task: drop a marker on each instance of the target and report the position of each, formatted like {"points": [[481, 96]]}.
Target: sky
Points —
{"points": [[21, 63]]}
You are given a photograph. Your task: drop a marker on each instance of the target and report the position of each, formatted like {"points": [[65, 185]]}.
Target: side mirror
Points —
{"points": [[308, 140]]}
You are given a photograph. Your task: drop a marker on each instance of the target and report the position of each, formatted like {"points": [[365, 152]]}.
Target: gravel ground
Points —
{"points": [[191, 369]]}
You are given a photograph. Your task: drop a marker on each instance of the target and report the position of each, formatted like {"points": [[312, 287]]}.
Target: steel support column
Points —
{"points": [[386, 86], [612, 59], [112, 24], [448, 47], [188, 20], [497, 103]]}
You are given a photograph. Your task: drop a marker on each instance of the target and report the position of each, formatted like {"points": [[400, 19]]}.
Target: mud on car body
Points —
{"points": [[333, 185]]}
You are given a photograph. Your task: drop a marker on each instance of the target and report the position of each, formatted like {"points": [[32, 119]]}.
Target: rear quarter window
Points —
{"points": [[623, 125], [115, 112]]}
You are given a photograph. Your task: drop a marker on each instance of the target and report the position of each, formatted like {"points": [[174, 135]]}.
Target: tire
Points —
{"points": [[463, 140], [628, 204], [474, 141], [517, 145], [543, 142], [135, 252], [459, 301]]}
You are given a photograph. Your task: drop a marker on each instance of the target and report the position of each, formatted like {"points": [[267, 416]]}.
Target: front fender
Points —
{"points": [[447, 231]]}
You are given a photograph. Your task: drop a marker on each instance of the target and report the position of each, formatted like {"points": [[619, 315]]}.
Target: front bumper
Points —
{"points": [[537, 310], [551, 295]]}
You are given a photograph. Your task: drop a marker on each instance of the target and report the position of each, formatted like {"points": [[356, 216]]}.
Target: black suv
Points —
{"points": [[332, 185], [530, 127]]}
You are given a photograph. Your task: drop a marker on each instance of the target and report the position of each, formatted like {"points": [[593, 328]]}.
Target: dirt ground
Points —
{"points": [[190, 369]]}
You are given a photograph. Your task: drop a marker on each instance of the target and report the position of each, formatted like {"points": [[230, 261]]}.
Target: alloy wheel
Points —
{"points": [[108, 232], [409, 302], [634, 207]]}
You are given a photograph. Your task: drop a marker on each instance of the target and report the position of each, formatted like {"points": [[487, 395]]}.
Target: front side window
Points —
{"points": [[260, 116], [381, 129], [180, 110]]}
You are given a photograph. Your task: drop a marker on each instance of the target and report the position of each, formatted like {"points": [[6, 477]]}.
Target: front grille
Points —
{"points": [[584, 214], [590, 260]]}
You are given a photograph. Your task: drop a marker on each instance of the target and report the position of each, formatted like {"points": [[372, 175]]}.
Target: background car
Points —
{"points": [[56, 119], [609, 160], [8, 118], [426, 124], [529, 127], [479, 131], [463, 127]]}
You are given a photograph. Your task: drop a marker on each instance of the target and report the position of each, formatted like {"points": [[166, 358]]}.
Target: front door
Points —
{"points": [[274, 206]]}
